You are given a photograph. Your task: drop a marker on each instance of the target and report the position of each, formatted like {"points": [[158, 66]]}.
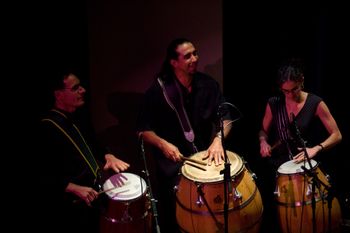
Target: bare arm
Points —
{"points": [[265, 148], [330, 124], [169, 150], [332, 128]]}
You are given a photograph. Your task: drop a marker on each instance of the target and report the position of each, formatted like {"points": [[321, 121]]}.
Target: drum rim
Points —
{"points": [[217, 179], [280, 170]]}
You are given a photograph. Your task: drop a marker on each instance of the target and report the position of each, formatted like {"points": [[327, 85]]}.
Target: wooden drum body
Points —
{"points": [[200, 198], [294, 198]]}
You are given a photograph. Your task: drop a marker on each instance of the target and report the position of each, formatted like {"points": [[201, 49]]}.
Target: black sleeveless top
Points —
{"points": [[284, 132]]}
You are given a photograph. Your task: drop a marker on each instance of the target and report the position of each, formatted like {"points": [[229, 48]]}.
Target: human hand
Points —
{"points": [[85, 193], [170, 151], [215, 152], [265, 149], [114, 163], [301, 156]]}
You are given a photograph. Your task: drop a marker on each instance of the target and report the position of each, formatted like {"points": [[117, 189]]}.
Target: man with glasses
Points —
{"points": [[70, 162]]}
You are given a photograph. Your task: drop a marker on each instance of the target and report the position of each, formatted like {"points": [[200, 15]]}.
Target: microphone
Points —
{"points": [[224, 109], [219, 112]]}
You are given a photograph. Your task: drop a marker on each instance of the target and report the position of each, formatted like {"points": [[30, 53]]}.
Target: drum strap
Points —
{"points": [[173, 96], [73, 134]]}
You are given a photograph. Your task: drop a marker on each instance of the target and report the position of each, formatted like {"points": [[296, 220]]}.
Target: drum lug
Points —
{"points": [[236, 194], [199, 201], [126, 217], [277, 191], [309, 190], [254, 176]]}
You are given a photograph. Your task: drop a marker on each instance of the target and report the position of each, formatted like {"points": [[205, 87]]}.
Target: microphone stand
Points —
{"points": [[227, 175], [153, 201], [227, 167], [315, 182]]}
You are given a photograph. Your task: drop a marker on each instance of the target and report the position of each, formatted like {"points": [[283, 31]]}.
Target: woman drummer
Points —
{"points": [[296, 125]]}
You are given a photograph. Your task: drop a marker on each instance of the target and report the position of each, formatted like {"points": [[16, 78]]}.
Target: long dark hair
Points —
{"points": [[291, 70], [166, 69]]}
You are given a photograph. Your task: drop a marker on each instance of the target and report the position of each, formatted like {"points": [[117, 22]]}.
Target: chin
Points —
{"points": [[193, 71]]}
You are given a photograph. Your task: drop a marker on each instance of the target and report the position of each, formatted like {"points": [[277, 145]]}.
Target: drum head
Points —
{"points": [[133, 187], [212, 173], [290, 167]]}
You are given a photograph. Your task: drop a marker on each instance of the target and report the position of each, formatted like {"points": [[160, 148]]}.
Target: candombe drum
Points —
{"points": [[200, 198], [128, 208], [294, 199]]}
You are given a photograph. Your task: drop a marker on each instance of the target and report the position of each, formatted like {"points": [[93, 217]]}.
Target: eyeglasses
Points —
{"points": [[75, 88], [293, 90]]}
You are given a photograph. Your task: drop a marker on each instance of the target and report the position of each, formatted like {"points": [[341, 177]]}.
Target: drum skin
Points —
{"points": [[200, 199], [294, 199], [129, 208]]}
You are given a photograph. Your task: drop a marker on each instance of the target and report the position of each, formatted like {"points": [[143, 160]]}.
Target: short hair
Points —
{"points": [[55, 82]]}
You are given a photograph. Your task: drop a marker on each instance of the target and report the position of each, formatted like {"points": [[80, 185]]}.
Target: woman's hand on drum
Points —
{"points": [[265, 149], [114, 163], [300, 157], [215, 152]]}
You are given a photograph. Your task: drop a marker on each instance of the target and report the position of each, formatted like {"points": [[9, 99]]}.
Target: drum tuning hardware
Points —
{"points": [[176, 188], [126, 217], [309, 190], [277, 191], [199, 201], [236, 194], [198, 185], [254, 177]]}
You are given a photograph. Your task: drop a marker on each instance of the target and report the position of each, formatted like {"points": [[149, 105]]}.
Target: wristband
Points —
{"points": [[322, 148]]}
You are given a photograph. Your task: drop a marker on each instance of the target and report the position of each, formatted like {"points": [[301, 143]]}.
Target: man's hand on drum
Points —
{"points": [[215, 152], [85, 193], [88, 195], [311, 152], [114, 163], [170, 151]]}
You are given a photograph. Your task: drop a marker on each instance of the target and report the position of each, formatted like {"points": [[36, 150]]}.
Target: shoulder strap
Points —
{"points": [[173, 96], [76, 138]]}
